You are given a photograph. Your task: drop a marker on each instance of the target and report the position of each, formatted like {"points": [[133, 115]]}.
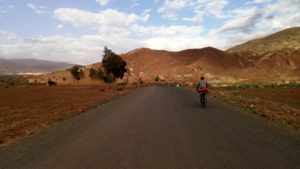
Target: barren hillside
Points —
{"points": [[272, 58], [183, 66], [285, 39]]}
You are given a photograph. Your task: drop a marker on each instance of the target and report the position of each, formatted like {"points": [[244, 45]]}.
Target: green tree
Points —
{"points": [[76, 72], [113, 63]]}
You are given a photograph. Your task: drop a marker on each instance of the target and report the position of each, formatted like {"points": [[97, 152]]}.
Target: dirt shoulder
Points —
{"points": [[24, 110], [279, 104]]}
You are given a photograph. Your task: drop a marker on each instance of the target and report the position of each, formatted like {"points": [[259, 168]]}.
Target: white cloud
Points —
{"points": [[216, 7], [60, 26], [212, 8], [103, 2], [147, 11], [243, 24], [8, 36], [134, 5], [104, 20], [197, 19], [171, 7], [206, 9], [175, 43], [244, 20], [81, 50], [167, 31], [38, 9], [5, 9], [260, 1], [2, 11], [87, 49], [31, 6]]}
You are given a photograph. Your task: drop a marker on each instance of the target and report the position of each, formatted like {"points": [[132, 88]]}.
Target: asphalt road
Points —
{"points": [[157, 128]]}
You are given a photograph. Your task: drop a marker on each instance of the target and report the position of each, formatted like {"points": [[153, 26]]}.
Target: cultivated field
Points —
{"points": [[26, 109], [281, 104]]}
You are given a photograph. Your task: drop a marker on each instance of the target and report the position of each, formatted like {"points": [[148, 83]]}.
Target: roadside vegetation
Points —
{"points": [[96, 73], [12, 80], [112, 68], [114, 65], [276, 102], [258, 85], [77, 72]]}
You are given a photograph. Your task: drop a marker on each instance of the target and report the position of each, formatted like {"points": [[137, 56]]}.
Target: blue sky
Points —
{"points": [[76, 30]]}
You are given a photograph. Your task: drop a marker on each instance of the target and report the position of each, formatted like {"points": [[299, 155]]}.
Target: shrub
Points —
{"points": [[76, 72], [51, 83], [93, 73], [100, 73], [254, 85], [292, 84], [12, 80], [109, 78], [141, 81], [270, 85], [96, 73]]}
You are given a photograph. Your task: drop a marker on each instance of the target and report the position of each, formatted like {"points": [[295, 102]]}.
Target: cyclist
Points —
{"points": [[202, 90], [202, 83]]}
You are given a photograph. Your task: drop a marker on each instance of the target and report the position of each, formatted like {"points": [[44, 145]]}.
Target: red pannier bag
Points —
{"points": [[203, 89]]}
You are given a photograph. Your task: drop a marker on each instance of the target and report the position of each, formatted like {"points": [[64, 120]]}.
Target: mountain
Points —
{"points": [[270, 59], [274, 58], [185, 66], [20, 66], [285, 39]]}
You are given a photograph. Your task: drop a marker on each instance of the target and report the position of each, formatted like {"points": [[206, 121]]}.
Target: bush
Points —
{"points": [[141, 81], [51, 83], [292, 84], [76, 72], [109, 78], [12, 80], [93, 73], [156, 78], [96, 73], [254, 85], [270, 85]]}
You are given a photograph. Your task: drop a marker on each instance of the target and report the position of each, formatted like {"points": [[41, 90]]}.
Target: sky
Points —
{"points": [[76, 31]]}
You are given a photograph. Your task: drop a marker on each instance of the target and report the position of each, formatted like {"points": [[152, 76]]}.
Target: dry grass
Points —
{"points": [[289, 96], [24, 110], [280, 104]]}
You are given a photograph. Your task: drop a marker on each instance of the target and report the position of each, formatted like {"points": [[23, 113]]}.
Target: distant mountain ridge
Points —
{"points": [[270, 59], [20, 66], [285, 39], [276, 56], [183, 66]]}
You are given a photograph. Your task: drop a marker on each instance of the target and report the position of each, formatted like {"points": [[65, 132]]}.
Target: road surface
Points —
{"points": [[157, 128]]}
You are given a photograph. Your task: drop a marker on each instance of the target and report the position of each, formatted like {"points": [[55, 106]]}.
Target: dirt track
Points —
{"points": [[155, 128]]}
